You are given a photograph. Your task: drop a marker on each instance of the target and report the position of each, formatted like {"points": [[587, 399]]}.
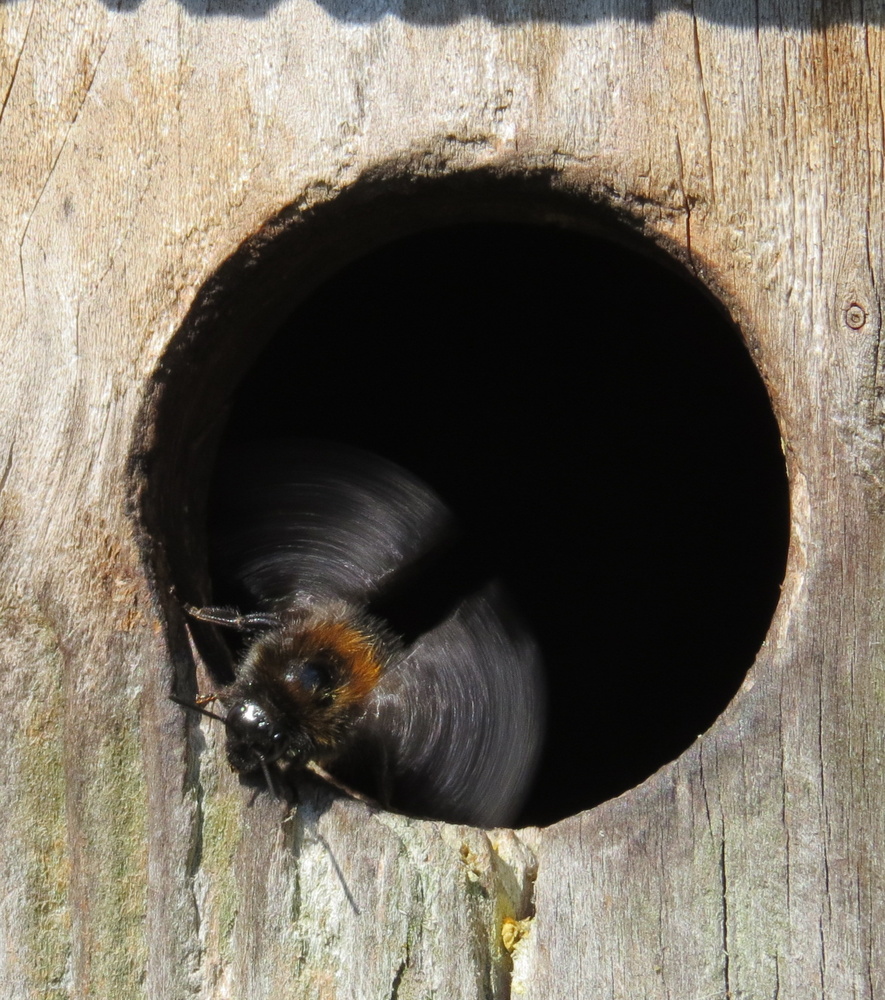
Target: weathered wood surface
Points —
{"points": [[140, 144]]}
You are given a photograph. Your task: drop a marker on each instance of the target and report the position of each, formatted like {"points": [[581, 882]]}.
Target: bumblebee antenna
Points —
{"points": [[270, 785], [197, 708]]}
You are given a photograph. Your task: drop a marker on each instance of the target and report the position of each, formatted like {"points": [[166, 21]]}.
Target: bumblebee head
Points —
{"points": [[273, 718], [255, 736]]}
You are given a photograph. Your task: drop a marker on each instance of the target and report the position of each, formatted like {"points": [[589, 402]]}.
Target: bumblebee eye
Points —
{"points": [[315, 677]]}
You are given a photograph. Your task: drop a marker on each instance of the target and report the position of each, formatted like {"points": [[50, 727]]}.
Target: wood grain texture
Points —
{"points": [[141, 143]]}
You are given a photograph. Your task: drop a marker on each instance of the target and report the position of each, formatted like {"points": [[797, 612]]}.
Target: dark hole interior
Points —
{"points": [[596, 423]]}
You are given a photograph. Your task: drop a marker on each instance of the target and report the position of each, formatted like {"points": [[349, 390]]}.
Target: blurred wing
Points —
{"points": [[322, 520], [454, 731]]}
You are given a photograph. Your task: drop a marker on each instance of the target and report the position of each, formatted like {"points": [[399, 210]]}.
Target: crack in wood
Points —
{"points": [[686, 204], [723, 877], [398, 977], [18, 58], [4, 476], [705, 106]]}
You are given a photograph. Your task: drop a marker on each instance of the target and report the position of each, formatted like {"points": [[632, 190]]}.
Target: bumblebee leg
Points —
{"points": [[329, 779], [231, 618]]}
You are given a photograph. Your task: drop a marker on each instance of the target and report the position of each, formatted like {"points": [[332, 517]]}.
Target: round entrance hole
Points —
{"points": [[595, 422]]}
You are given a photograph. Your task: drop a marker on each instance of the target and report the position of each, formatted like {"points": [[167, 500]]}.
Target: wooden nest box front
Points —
{"points": [[607, 278]]}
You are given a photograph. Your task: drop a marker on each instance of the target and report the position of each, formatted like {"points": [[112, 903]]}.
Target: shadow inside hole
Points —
{"points": [[593, 420]]}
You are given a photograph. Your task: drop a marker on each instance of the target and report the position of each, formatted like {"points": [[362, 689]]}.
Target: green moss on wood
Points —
{"points": [[42, 822]]}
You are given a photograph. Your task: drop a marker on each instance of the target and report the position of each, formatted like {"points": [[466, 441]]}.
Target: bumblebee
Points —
{"points": [[355, 661]]}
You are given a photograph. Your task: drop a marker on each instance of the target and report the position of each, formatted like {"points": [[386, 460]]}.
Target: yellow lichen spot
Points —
{"points": [[510, 933], [513, 931], [471, 861]]}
